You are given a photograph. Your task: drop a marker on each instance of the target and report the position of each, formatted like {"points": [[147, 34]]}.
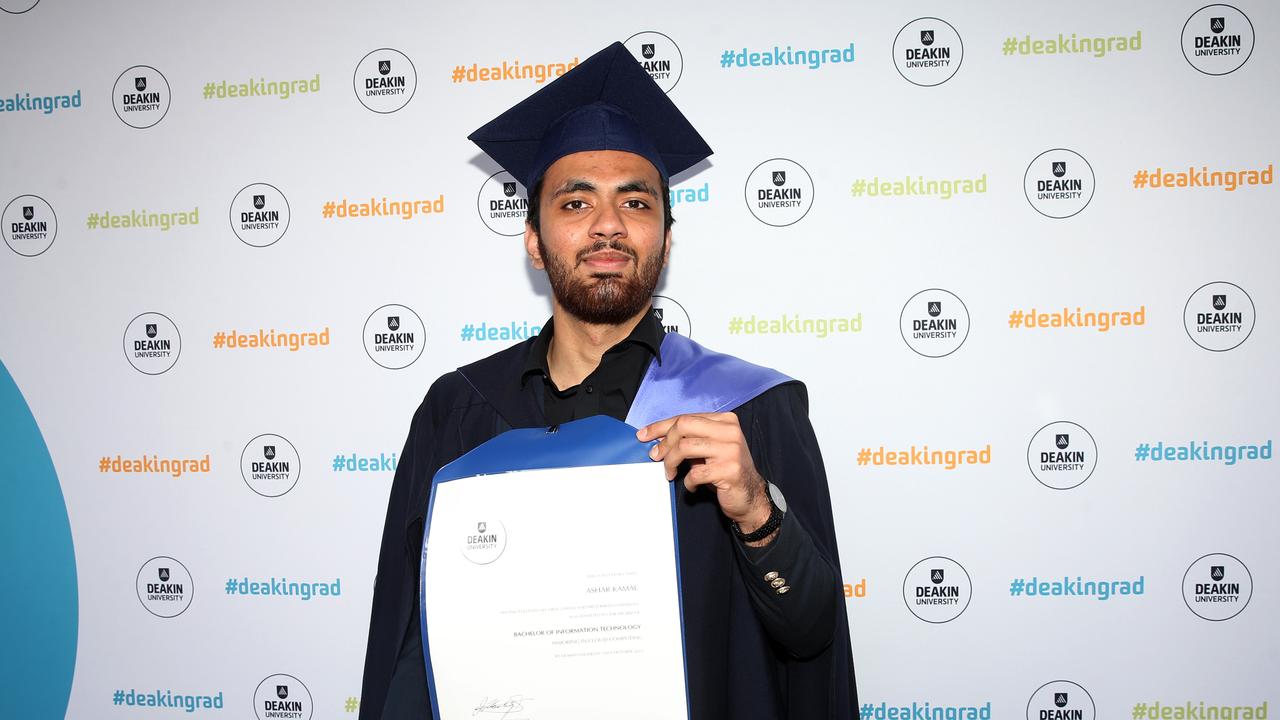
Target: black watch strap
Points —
{"points": [[773, 523]]}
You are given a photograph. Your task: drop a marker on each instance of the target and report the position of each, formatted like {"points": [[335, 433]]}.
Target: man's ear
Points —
{"points": [[666, 252], [531, 246]]}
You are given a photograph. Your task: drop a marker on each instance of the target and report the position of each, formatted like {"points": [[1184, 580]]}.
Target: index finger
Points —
{"points": [[655, 430]]}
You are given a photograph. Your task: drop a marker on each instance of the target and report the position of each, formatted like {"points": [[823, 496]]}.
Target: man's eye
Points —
{"points": [[574, 205], [636, 204]]}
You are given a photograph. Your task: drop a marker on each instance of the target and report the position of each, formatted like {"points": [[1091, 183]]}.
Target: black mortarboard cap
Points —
{"points": [[608, 102]]}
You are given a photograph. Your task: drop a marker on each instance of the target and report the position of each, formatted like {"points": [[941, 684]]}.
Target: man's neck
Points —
{"points": [[577, 346]]}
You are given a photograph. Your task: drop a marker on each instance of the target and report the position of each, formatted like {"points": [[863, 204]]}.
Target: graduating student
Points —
{"points": [[766, 635]]}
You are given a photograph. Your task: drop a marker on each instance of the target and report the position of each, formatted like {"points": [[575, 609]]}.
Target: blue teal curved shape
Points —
{"points": [[40, 602]]}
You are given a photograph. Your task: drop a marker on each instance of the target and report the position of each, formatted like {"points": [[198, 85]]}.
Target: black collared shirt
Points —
{"points": [[610, 388]]}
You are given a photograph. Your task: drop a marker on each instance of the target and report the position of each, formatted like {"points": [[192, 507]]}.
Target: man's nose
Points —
{"points": [[607, 223]]}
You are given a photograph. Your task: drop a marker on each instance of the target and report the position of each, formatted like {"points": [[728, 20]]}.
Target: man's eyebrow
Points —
{"points": [[573, 185], [638, 186]]}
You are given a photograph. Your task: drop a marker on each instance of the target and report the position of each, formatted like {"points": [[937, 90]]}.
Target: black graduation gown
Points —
{"points": [[735, 670]]}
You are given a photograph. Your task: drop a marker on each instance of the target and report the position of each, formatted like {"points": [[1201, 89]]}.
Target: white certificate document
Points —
{"points": [[554, 594]]}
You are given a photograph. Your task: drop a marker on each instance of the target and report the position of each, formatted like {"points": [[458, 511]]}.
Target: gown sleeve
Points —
{"points": [[808, 623], [801, 619], [387, 655]]}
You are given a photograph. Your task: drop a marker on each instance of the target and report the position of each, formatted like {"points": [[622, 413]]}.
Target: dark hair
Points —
{"points": [[533, 218]]}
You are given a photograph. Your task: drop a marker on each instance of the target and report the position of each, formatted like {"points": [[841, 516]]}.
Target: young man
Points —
{"points": [[766, 634]]}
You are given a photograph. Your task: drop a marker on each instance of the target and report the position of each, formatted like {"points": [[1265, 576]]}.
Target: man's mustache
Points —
{"points": [[606, 245]]}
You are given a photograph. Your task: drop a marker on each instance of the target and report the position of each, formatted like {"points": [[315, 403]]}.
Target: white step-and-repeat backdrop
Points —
{"points": [[1023, 254]]}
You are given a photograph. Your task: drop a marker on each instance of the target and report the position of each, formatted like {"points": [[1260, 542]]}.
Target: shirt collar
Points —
{"points": [[647, 333]]}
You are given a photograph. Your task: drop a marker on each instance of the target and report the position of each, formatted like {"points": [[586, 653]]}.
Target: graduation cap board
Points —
{"points": [[607, 102]]}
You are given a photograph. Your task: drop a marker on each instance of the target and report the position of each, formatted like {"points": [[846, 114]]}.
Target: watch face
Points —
{"points": [[778, 500]]}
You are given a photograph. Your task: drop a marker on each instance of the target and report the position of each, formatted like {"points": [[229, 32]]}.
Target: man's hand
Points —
{"points": [[718, 455]]}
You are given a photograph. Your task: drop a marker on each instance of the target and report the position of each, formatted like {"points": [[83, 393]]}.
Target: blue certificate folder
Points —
{"points": [[590, 442]]}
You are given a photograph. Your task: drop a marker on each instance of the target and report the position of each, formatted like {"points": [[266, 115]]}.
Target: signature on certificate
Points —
{"points": [[501, 708]]}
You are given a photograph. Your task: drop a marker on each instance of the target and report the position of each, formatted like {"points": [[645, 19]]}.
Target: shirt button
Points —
{"points": [[590, 389], [771, 576]]}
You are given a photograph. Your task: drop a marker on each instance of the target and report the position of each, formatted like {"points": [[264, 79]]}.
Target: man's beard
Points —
{"points": [[605, 298]]}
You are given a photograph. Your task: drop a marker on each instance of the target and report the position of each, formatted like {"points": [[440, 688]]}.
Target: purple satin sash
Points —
{"points": [[693, 379]]}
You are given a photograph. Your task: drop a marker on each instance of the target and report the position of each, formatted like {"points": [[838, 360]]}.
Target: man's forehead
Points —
{"points": [[597, 166]]}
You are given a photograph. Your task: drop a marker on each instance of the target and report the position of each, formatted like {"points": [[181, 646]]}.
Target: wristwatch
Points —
{"points": [[773, 523]]}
